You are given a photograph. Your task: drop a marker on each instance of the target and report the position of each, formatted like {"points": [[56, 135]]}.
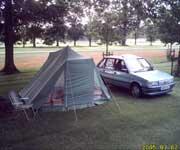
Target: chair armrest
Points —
{"points": [[24, 98]]}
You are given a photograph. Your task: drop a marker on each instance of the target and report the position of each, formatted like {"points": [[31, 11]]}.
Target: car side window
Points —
{"points": [[123, 65], [110, 64], [102, 63], [120, 65]]}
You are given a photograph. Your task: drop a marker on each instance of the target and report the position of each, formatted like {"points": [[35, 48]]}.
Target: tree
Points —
{"points": [[125, 17], [92, 9], [139, 15], [89, 12], [33, 16], [1, 27], [56, 28], [75, 32], [91, 30], [9, 66], [23, 34], [28, 20], [151, 32], [74, 16], [56, 32], [34, 32], [168, 22], [107, 29]]}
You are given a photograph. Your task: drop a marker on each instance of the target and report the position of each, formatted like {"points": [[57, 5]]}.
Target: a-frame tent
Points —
{"points": [[66, 80]]}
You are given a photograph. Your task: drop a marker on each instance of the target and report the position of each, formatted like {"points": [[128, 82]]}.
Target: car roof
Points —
{"points": [[124, 56]]}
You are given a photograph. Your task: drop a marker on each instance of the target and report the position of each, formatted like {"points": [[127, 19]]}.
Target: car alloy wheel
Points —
{"points": [[136, 90]]}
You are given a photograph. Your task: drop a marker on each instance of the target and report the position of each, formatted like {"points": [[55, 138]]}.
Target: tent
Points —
{"points": [[67, 80]]}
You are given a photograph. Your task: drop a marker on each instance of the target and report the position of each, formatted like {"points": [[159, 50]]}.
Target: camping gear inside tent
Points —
{"points": [[67, 80]]}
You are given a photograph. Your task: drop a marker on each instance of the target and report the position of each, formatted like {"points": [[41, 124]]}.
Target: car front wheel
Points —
{"points": [[136, 90]]}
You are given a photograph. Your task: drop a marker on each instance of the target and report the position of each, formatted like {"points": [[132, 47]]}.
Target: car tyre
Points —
{"points": [[136, 90]]}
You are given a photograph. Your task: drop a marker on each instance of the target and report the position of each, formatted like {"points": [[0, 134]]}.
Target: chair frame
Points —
{"points": [[18, 104]]}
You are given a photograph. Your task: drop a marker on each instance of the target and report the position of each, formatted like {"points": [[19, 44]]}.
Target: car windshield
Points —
{"points": [[139, 65]]}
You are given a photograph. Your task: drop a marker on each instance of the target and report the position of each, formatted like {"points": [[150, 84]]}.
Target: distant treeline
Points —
{"points": [[107, 20]]}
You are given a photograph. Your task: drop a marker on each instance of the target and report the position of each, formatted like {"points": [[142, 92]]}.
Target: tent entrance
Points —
{"points": [[56, 97]]}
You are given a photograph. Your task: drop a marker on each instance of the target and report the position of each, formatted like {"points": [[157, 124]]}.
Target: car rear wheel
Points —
{"points": [[136, 90]]}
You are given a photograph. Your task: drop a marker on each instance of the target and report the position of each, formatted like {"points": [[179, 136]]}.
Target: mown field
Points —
{"points": [[124, 123], [33, 58]]}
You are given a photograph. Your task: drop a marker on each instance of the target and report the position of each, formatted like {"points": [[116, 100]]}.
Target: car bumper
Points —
{"points": [[157, 90]]}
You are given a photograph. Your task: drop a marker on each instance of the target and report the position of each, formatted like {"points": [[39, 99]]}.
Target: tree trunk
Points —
{"points": [[125, 22], [34, 41], [107, 41], [123, 42], [107, 47], [9, 67], [23, 42], [151, 41], [57, 41], [90, 41], [74, 43], [135, 38], [124, 36]]}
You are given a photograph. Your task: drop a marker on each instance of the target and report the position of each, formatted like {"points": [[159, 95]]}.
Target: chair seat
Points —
{"points": [[27, 106]]}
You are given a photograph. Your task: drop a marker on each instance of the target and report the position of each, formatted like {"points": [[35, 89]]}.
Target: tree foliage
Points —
{"points": [[107, 20], [75, 31], [55, 32], [168, 21], [128, 16]]}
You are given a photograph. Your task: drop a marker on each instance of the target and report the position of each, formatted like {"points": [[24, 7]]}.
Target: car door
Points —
{"points": [[101, 65], [121, 74], [106, 68]]}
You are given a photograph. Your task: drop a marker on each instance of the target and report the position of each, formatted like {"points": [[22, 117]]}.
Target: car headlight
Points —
{"points": [[154, 83]]}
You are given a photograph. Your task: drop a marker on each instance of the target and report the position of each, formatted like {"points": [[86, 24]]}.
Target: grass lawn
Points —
{"points": [[124, 123]]}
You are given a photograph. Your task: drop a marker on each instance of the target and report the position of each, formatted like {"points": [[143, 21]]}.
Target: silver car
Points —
{"points": [[135, 73]]}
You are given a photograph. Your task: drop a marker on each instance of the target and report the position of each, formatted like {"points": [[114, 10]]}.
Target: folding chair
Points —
{"points": [[18, 104]]}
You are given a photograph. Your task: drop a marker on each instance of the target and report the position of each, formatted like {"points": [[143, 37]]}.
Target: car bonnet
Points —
{"points": [[154, 75]]}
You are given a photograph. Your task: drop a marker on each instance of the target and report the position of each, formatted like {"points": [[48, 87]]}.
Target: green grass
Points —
{"points": [[24, 55], [121, 124]]}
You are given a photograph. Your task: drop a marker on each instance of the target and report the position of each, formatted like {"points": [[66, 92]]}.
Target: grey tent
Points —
{"points": [[66, 80]]}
